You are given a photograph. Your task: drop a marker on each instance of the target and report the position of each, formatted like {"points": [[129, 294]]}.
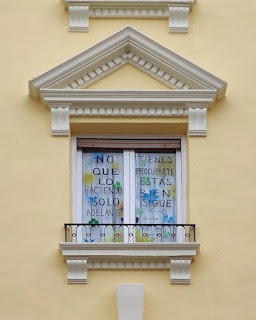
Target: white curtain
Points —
{"points": [[156, 195], [102, 195]]}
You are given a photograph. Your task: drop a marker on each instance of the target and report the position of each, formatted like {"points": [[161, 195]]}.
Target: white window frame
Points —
{"points": [[176, 256], [129, 180]]}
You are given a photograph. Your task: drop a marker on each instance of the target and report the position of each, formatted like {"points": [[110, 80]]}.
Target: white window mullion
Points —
{"points": [[132, 196], [132, 187], [126, 192]]}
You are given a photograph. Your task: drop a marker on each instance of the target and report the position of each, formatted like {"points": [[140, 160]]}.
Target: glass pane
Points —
{"points": [[103, 195], [156, 195]]}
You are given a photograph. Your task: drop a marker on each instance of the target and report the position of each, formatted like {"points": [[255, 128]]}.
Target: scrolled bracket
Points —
{"points": [[180, 271], [77, 271], [178, 18], [197, 122], [60, 120], [79, 18]]}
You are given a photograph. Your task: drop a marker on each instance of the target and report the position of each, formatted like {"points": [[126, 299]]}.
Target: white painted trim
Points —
{"points": [[79, 18], [132, 187], [132, 195], [179, 195], [184, 179], [81, 10], [130, 301], [79, 186], [73, 177], [99, 98], [127, 46], [178, 186], [180, 271], [60, 120], [130, 256], [79, 194], [60, 88], [77, 271], [147, 249], [129, 263], [104, 103], [197, 121], [131, 136], [178, 18], [126, 191]]}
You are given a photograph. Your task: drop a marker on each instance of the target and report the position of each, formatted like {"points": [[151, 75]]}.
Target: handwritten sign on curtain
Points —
{"points": [[156, 192], [102, 191]]}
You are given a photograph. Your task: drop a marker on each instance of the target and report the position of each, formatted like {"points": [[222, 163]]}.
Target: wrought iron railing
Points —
{"points": [[85, 232]]}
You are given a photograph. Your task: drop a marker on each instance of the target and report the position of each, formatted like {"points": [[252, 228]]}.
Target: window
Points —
{"points": [[120, 188], [128, 190]]}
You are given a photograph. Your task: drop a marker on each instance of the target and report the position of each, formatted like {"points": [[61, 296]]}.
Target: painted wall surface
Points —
{"points": [[35, 184]]}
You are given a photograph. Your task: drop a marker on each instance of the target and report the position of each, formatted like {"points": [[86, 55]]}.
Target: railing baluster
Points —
{"points": [[106, 232]]}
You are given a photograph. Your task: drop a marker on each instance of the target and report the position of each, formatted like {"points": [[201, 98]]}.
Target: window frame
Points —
{"points": [[181, 184]]}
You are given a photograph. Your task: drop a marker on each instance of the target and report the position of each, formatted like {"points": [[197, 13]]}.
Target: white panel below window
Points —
{"points": [[130, 301]]}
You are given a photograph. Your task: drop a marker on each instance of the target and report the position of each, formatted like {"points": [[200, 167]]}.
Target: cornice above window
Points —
{"points": [[63, 88], [176, 10], [192, 104]]}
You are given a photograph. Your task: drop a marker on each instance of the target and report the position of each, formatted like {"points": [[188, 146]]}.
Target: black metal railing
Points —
{"points": [[85, 232]]}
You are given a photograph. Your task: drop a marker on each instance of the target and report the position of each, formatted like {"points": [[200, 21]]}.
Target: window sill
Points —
{"points": [[174, 256]]}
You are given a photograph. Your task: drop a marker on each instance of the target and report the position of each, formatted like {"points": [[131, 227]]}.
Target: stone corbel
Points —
{"points": [[79, 18], [197, 121], [77, 271], [60, 120], [178, 18], [180, 271]]}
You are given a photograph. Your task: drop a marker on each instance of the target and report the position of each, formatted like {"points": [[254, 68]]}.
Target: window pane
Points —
{"points": [[155, 195], [102, 194]]}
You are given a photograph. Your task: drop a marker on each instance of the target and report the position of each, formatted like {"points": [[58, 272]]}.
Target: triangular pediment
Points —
{"points": [[127, 46], [68, 88]]}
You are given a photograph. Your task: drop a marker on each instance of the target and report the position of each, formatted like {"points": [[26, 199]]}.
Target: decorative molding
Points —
{"points": [[79, 18], [123, 103], [60, 120], [180, 271], [176, 10], [130, 301], [125, 256], [129, 98], [128, 57], [65, 84], [133, 12], [129, 263], [128, 112], [197, 121], [77, 271], [178, 18], [134, 47]]}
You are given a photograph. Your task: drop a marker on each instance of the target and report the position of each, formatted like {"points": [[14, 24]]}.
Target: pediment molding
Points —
{"points": [[135, 48], [176, 10], [63, 88]]}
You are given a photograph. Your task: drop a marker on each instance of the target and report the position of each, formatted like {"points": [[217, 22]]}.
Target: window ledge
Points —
{"points": [[174, 256]]}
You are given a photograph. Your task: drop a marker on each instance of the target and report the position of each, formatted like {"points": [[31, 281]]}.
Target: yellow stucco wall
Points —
{"points": [[35, 175]]}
